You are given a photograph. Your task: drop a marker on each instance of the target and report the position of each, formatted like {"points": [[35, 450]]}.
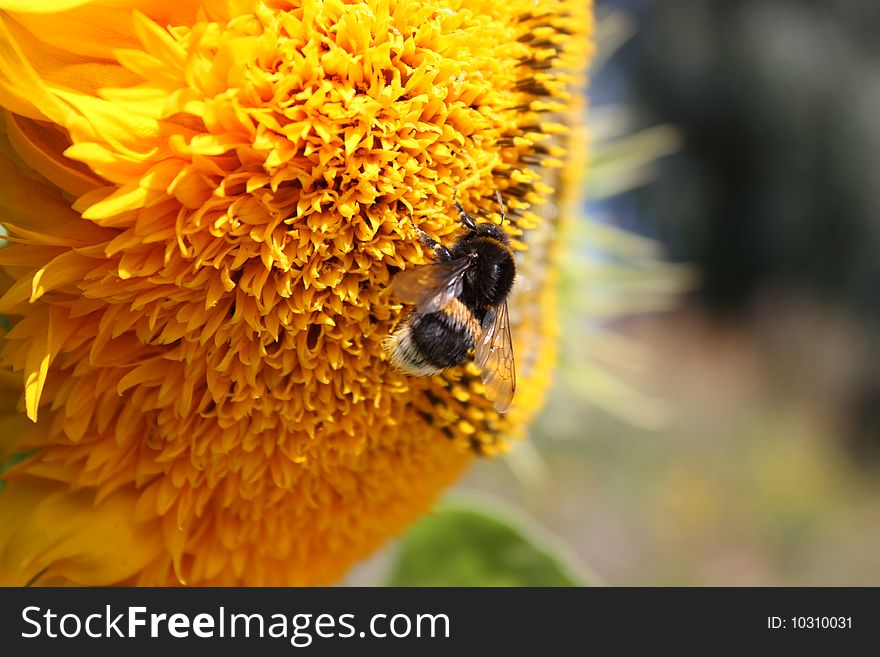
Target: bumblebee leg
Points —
{"points": [[466, 219], [440, 251]]}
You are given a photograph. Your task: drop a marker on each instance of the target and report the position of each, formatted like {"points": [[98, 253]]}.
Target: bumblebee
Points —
{"points": [[460, 308]]}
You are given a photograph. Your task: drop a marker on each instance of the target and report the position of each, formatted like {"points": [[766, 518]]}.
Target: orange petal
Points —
{"points": [[63, 533], [21, 89], [38, 212], [39, 6], [60, 67], [49, 328], [41, 147], [96, 29]]}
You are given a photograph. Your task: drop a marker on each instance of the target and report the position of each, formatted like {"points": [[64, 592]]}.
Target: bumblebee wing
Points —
{"points": [[431, 283], [494, 357]]}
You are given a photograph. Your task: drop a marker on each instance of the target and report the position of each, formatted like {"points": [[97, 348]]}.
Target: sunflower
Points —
{"points": [[204, 205]]}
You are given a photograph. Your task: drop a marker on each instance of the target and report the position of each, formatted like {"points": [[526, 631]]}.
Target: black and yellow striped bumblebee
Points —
{"points": [[460, 308]]}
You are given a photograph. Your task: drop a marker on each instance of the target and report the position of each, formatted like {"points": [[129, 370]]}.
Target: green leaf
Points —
{"points": [[468, 544]]}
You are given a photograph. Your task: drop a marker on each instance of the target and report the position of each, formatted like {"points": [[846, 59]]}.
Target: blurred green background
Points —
{"points": [[729, 434]]}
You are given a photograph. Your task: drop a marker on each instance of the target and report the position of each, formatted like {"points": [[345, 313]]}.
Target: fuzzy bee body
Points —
{"points": [[461, 308], [428, 343]]}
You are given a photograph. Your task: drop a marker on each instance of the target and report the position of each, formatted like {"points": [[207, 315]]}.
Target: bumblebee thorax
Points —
{"points": [[490, 276]]}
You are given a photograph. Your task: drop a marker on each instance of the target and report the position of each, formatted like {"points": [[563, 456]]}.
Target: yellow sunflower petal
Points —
{"points": [[23, 91], [60, 67], [54, 532], [38, 212], [41, 5], [94, 29], [41, 147]]}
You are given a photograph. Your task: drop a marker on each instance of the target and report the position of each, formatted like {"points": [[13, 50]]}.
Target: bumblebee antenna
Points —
{"points": [[501, 205]]}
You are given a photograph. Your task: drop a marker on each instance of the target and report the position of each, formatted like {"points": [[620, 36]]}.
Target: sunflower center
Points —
{"points": [[294, 146]]}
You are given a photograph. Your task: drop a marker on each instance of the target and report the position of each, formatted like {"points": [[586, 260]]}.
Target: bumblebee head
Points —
{"points": [[493, 231]]}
